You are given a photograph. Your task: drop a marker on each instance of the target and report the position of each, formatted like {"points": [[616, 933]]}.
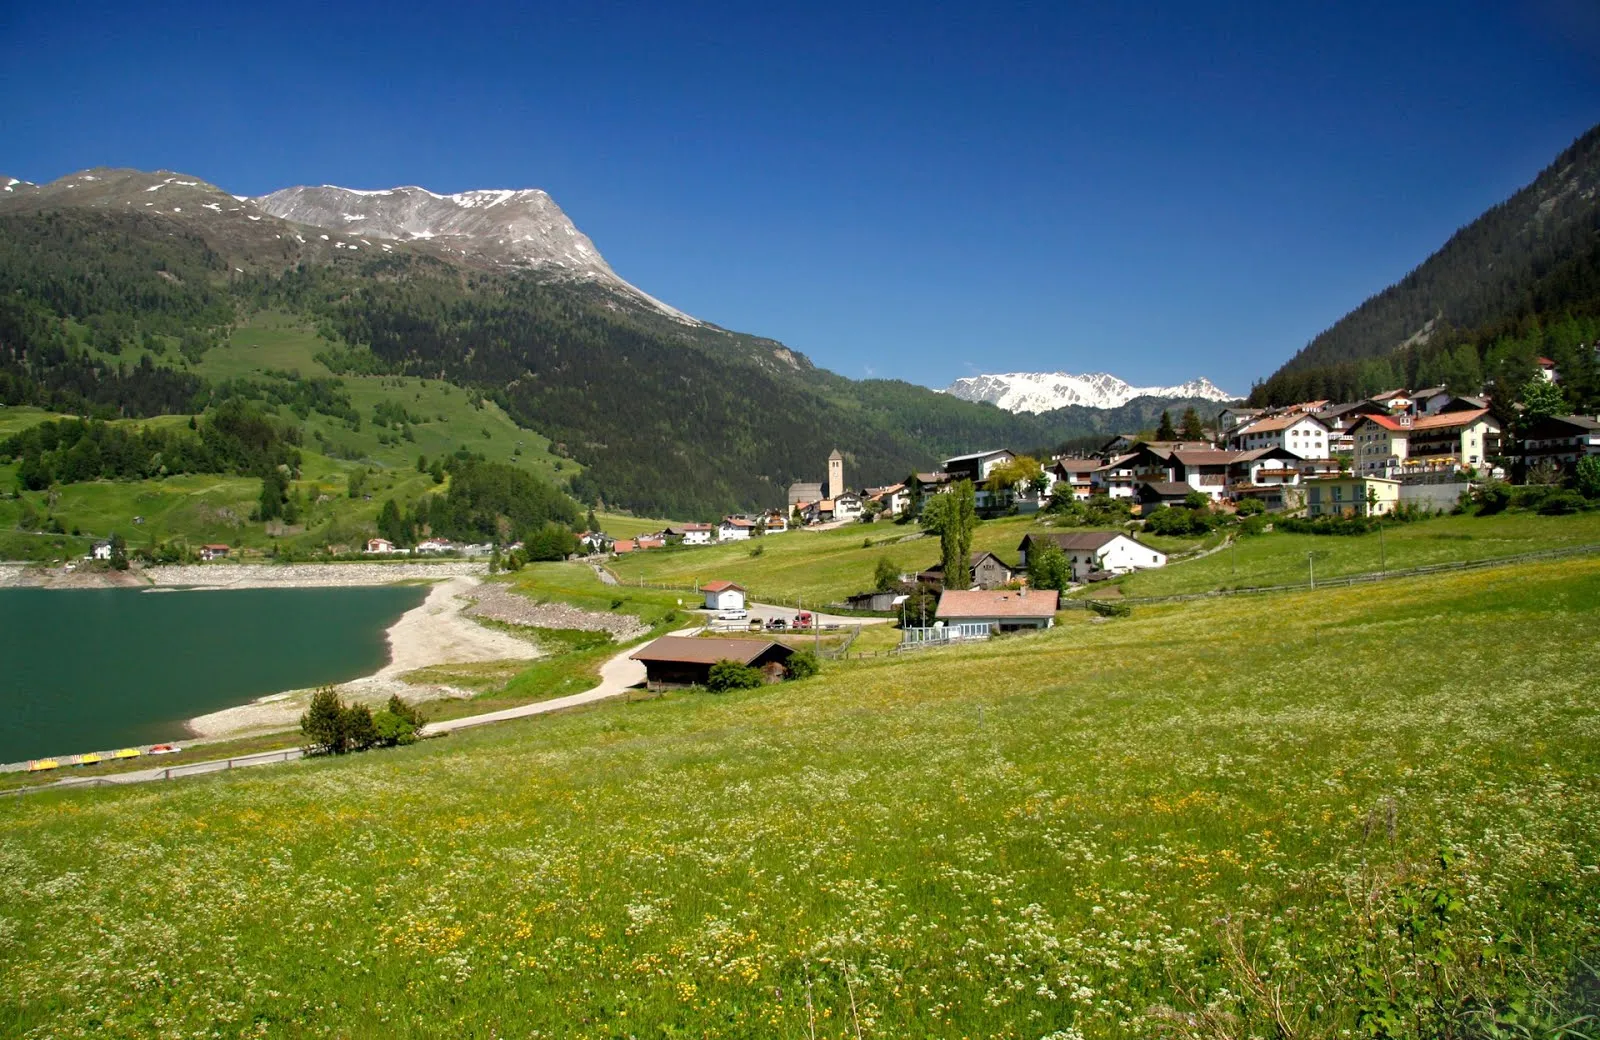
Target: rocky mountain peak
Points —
{"points": [[505, 226]]}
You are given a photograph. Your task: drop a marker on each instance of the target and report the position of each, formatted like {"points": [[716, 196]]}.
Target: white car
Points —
{"points": [[733, 615]]}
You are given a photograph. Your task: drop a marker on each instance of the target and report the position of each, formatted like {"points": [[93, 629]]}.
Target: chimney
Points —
{"points": [[1023, 591]]}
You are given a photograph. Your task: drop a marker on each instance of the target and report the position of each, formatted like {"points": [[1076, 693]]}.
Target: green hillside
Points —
{"points": [[1521, 281], [111, 310], [1236, 813]]}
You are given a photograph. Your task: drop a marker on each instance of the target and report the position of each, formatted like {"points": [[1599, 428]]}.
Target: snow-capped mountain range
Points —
{"points": [[1045, 391]]}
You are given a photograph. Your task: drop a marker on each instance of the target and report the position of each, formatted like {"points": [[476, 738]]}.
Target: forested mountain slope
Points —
{"points": [[1521, 280], [114, 284]]}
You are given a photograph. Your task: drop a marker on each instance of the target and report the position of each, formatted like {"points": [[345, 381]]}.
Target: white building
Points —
{"points": [[1090, 551], [723, 595], [735, 529], [379, 547], [1071, 475], [695, 534], [847, 506], [1305, 435]]}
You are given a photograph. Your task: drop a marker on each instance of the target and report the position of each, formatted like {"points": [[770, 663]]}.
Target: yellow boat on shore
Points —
{"points": [[128, 752], [43, 763], [93, 758]]}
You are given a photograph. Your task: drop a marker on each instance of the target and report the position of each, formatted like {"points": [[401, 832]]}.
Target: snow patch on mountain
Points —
{"points": [[515, 227], [1045, 391]]}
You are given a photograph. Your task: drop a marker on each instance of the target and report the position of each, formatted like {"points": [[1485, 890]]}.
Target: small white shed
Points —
{"points": [[723, 595]]}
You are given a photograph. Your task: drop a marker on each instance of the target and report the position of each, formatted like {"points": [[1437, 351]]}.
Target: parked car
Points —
{"points": [[733, 615], [777, 624], [802, 619]]}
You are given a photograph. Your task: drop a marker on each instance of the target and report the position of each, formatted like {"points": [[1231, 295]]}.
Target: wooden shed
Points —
{"points": [[677, 661]]}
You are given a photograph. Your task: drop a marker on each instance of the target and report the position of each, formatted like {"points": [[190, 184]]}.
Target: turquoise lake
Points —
{"points": [[97, 669]]}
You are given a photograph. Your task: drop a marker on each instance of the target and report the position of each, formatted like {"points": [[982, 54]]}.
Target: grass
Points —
{"points": [[819, 566], [1280, 558], [1088, 832]]}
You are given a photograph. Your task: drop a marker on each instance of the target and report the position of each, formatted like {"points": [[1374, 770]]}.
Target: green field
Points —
{"points": [[1280, 558], [1275, 816], [826, 566]]}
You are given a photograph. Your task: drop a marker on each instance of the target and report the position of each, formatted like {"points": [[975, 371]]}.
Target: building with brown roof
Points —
{"points": [[1449, 440], [1090, 551], [1000, 610], [678, 661]]}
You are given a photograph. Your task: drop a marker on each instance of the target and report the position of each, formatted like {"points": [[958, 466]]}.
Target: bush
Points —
{"points": [[1180, 521], [392, 729], [1493, 497], [1256, 524], [731, 675], [1251, 507], [360, 732], [1328, 525], [757, 549], [323, 724], [1561, 503], [803, 665], [1586, 477], [1106, 608]]}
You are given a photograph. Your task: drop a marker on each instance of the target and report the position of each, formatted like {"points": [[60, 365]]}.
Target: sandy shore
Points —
{"points": [[435, 632], [235, 575]]}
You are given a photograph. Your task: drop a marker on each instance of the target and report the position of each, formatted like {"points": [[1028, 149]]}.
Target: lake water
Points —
{"points": [[97, 669]]}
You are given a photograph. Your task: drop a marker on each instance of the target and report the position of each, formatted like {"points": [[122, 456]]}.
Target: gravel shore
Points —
{"points": [[500, 604]]}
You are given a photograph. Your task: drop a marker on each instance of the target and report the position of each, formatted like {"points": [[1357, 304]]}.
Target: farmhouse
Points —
{"points": [[1305, 435], [1153, 493], [988, 572], [213, 552], [1003, 610], [735, 529], [692, 534], [379, 547], [1561, 439], [678, 661], [723, 595], [100, 551], [1090, 551]]}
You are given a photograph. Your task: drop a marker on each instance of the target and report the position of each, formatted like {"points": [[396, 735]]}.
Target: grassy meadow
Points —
{"points": [[1288, 815], [819, 566], [1279, 558]]}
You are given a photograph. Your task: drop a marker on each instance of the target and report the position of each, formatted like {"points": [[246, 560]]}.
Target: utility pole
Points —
{"points": [[1383, 555], [1233, 555], [1310, 557]]}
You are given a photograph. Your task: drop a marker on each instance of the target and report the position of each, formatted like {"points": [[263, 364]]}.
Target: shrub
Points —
{"points": [[360, 732], [1251, 507], [1256, 524], [1561, 503], [1586, 478], [757, 549], [323, 723], [1106, 608], [731, 675], [392, 729], [1493, 497], [803, 665]]}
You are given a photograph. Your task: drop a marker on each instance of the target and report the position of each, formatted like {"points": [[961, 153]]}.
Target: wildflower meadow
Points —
{"points": [[1367, 812]]}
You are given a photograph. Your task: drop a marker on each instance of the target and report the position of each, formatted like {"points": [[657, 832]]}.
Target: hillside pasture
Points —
{"points": [[1227, 813]]}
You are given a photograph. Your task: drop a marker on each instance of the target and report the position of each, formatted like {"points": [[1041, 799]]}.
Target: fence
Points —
{"points": [[173, 772], [1355, 579]]}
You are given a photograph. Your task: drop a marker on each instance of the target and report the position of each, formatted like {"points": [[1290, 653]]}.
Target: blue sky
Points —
{"points": [[919, 191]]}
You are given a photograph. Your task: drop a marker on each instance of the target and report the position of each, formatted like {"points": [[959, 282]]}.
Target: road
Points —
{"points": [[765, 612]]}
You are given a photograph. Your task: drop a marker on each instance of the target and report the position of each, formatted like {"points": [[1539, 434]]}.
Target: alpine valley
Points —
{"points": [[392, 323]]}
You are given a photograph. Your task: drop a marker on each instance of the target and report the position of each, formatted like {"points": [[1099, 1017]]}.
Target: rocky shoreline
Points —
{"points": [[236, 575], [498, 603]]}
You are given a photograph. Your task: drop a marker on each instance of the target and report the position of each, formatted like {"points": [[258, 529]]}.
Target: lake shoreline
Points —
{"points": [[436, 631], [235, 575]]}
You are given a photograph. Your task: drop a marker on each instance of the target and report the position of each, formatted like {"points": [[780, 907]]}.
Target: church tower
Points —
{"points": [[835, 474]]}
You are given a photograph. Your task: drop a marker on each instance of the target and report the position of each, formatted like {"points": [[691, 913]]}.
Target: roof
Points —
{"points": [[835, 455], [214, 548], [975, 558], [1282, 422], [690, 650], [1541, 430], [1432, 391], [1388, 395], [978, 455], [694, 527], [736, 521], [1081, 541], [936, 477], [623, 545], [720, 586], [1442, 421], [1211, 457], [1544, 362], [1069, 463], [1168, 488], [957, 603]]}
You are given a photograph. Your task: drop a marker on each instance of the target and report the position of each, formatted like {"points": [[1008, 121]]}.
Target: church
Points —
{"points": [[832, 488]]}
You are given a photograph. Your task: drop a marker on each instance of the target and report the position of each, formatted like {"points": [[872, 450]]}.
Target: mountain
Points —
{"points": [[1533, 260], [116, 287], [1047, 391], [509, 227]]}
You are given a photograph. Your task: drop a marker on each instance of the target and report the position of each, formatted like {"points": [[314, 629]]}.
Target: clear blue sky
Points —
{"points": [[919, 190]]}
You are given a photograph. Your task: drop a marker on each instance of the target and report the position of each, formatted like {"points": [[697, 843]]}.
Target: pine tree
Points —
{"points": [[1165, 432], [1189, 428]]}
